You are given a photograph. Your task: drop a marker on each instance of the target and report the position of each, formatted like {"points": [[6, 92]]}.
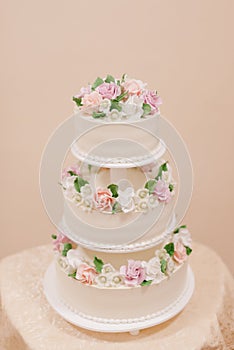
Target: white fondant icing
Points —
{"points": [[115, 304]]}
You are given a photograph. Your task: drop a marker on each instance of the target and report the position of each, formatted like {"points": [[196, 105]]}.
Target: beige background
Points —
{"points": [[52, 48]]}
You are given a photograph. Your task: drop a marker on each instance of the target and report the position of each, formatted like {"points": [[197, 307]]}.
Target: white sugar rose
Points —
{"points": [[69, 189], [184, 237], [132, 108], [170, 267], [74, 258], [153, 270], [125, 199]]}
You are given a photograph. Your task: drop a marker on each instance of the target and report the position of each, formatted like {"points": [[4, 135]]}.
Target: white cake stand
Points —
{"points": [[173, 309]]}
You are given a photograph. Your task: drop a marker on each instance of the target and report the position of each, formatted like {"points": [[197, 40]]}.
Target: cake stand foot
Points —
{"points": [[135, 332]]}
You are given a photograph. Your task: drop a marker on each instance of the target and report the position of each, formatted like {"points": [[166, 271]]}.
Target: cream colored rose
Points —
{"points": [[133, 86], [91, 102]]}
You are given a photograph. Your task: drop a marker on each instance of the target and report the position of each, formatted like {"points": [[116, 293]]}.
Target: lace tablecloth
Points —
{"points": [[27, 322]]}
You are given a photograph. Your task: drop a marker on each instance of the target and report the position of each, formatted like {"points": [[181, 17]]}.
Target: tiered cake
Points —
{"points": [[121, 261]]}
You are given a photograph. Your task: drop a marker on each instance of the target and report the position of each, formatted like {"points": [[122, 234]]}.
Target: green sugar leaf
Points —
{"points": [[66, 248], [110, 79], [116, 208], [162, 168], [72, 173], [98, 264], [97, 82], [170, 248], [171, 187], [114, 190], [73, 275], [79, 182], [150, 185], [115, 105], [123, 78], [120, 97], [54, 236], [97, 115], [163, 265], [177, 230], [77, 101], [188, 250], [146, 108], [146, 283]]}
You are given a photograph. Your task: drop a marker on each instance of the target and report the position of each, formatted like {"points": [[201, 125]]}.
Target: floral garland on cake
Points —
{"points": [[112, 199], [117, 99], [135, 273]]}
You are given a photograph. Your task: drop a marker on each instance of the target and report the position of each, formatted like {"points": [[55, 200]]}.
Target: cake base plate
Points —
{"points": [[172, 310]]}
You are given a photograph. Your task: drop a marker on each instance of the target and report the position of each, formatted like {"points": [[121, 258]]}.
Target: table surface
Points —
{"points": [[27, 322]]}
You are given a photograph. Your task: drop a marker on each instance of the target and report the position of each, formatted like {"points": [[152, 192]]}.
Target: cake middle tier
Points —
{"points": [[118, 145]]}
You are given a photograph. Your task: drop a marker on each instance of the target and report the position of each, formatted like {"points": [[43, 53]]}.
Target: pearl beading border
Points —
{"points": [[117, 248], [131, 320], [115, 162]]}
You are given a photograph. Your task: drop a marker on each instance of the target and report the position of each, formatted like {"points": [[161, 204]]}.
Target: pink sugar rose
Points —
{"points": [[133, 273], [59, 241], [103, 199], [83, 91], [151, 98], [74, 169], [109, 90], [91, 102], [180, 254], [162, 191], [133, 86], [86, 273]]}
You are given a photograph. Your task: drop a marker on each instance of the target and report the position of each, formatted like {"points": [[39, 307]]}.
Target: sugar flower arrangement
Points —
{"points": [[120, 197], [117, 99], [135, 273]]}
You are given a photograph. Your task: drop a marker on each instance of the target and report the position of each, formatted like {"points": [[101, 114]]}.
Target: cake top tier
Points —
{"points": [[116, 100]]}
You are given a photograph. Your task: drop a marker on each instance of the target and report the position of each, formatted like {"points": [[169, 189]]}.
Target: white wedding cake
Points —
{"points": [[121, 251]]}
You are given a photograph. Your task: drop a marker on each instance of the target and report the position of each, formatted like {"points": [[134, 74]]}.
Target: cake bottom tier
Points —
{"points": [[131, 304]]}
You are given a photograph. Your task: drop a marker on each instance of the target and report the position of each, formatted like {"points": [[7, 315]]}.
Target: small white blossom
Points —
{"points": [[102, 280], [105, 105], [116, 279], [87, 205], [153, 201], [86, 191], [78, 199], [114, 115], [107, 268], [65, 265], [142, 193]]}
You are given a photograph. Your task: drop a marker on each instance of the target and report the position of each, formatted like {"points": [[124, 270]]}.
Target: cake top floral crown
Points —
{"points": [[117, 99]]}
